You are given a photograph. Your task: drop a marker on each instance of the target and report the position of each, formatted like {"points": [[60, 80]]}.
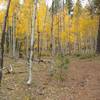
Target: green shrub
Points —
{"points": [[87, 56], [77, 54], [62, 65]]}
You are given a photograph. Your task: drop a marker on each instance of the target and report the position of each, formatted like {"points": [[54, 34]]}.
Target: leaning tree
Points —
{"points": [[3, 39]]}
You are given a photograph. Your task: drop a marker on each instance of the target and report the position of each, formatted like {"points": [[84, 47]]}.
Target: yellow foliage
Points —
{"points": [[82, 24]]}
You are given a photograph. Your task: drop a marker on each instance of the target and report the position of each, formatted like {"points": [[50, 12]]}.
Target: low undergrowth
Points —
{"points": [[61, 65]]}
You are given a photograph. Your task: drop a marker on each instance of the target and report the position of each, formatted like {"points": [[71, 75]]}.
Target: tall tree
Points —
{"points": [[13, 32], [97, 11], [32, 42], [3, 39], [52, 30], [69, 4], [77, 14]]}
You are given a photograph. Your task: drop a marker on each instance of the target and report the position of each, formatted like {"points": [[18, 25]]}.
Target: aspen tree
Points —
{"points": [[32, 42]]}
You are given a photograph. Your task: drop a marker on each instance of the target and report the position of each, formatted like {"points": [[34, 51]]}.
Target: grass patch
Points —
{"points": [[87, 56]]}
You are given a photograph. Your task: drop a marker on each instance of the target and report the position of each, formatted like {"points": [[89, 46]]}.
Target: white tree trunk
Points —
{"points": [[13, 23], [32, 43]]}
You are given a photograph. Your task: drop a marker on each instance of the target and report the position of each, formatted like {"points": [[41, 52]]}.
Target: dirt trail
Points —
{"points": [[82, 82]]}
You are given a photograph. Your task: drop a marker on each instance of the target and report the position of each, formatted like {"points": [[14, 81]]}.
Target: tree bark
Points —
{"points": [[13, 32], [3, 39], [52, 32], [32, 43], [98, 38], [38, 40]]}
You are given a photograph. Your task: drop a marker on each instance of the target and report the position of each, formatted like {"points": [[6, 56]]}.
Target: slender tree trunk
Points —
{"points": [[59, 46], [39, 45], [44, 26], [98, 38], [6, 39], [13, 31], [47, 40], [60, 31], [63, 17], [32, 43], [3, 39], [38, 40], [52, 33], [69, 34], [26, 47], [27, 42], [9, 38]]}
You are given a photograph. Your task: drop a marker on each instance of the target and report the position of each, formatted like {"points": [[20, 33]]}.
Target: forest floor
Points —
{"points": [[81, 81]]}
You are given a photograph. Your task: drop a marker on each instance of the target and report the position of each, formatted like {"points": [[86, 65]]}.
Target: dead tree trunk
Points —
{"points": [[3, 39]]}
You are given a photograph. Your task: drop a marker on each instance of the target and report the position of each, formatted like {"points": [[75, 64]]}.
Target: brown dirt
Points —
{"points": [[82, 81]]}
